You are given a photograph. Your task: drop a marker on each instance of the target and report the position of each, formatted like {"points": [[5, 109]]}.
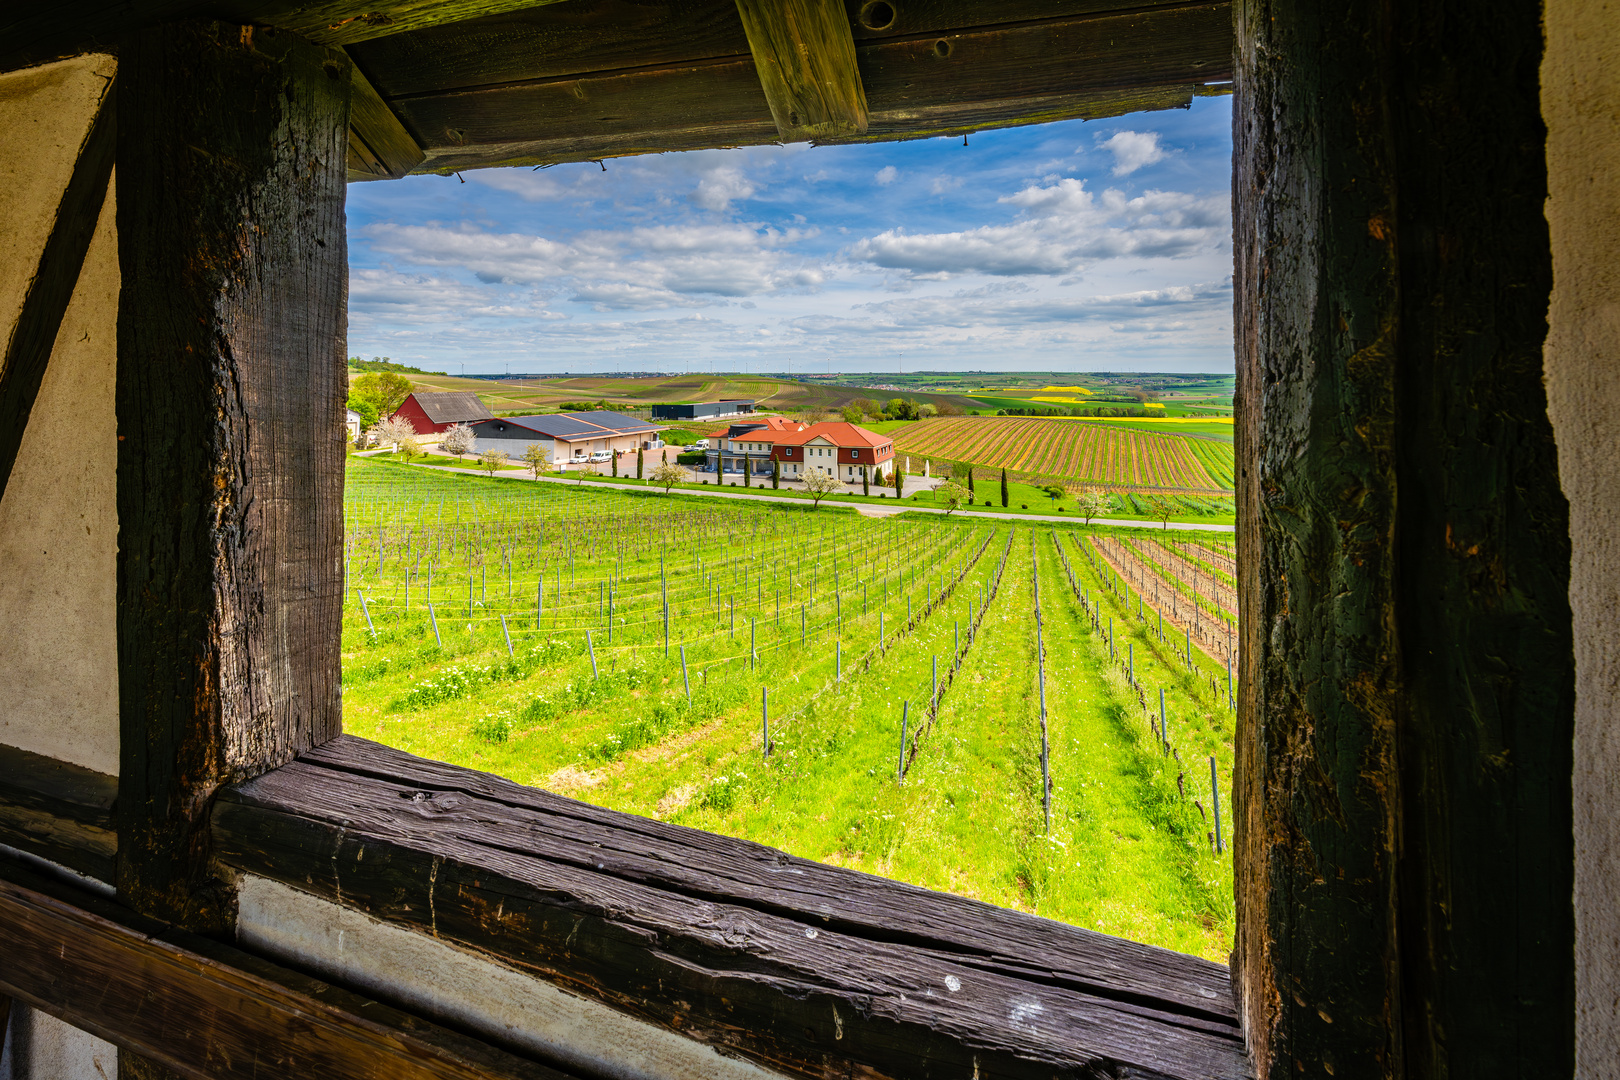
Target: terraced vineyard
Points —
{"points": [[1108, 455], [864, 692]]}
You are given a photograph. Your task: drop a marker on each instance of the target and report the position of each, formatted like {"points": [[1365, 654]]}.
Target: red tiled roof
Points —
{"points": [[838, 433], [757, 426]]}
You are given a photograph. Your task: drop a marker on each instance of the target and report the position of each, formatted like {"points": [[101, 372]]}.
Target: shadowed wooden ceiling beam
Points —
{"points": [[805, 54]]}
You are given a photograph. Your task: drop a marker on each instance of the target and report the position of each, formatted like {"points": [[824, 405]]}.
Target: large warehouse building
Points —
{"points": [[702, 410]]}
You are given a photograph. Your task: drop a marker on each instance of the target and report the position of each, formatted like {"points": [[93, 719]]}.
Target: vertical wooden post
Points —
{"points": [[231, 165], [1401, 799]]}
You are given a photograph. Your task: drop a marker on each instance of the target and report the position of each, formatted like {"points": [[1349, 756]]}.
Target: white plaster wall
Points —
{"points": [[41, 1047], [1581, 104], [59, 535], [45, 113], [424, 975]]}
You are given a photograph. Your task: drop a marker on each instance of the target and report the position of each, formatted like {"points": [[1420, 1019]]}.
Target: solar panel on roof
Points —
{"points": [[615, 420]]}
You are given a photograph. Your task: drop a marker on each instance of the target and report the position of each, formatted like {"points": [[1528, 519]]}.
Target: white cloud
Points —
{"points": [[1063, 228], [939, 185], [720, 186], [651, 267], [528, 186], [1133, 150], [886, 175]]}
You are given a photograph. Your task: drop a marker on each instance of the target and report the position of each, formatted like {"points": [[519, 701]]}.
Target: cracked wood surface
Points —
{"points": [[807, 968]]}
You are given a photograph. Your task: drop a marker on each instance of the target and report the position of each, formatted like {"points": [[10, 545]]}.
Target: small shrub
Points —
{"points": [[723, 792], [1023, 506], [494, 728]]}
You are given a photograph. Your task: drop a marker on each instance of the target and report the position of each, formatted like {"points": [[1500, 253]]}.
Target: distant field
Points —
{"points": [[1119, 456], [771, 394]]}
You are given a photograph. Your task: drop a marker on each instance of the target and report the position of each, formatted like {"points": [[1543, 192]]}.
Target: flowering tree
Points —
{"points": [[394, 430], [458, 439], [818, 485], [667, 476]]}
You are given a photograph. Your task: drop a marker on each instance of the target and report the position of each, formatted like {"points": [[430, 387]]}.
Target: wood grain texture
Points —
{"points": [[386, 149], [1083, 65], [31, 34], [805, 56], [807, 968], [1402, 790], [28, 351], [195, 1008], [230, 404], [58, 811]]}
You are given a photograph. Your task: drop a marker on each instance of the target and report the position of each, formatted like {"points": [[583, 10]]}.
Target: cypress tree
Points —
{"points": [[899, 482], [1004, 499], [638, 464], [614, 456], [776, 473], [866, 482], [970, 483]]}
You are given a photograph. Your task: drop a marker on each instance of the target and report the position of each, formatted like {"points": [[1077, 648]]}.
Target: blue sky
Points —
{"points": [[1076, 246]]}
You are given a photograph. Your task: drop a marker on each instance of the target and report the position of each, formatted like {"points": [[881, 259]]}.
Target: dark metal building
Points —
{"points": [[702, 410]]}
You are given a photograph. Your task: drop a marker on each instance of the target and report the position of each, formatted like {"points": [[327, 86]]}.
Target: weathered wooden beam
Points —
{"points": [[807, 968], [32, 339], [34, 34], [206, 1011], [1084, 65], [378, 142], [58, 811], [230, 390], [805, 56], [1404, 865]]}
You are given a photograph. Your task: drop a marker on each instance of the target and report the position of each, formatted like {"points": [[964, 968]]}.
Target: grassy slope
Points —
{"points": [[966, 820]]}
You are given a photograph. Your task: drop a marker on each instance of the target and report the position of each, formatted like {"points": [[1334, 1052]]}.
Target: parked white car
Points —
{"points": [[600, 456]]}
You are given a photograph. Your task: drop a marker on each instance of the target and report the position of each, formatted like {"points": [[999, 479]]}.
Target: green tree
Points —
{"points": [[534, 456], [776, 473], [490, 460], [899, 481], [1162, 508], [367, 411], [384, 389], [1054, 492], [1005, 499], [852, 413], [866, 482], [613, 456], [952, 494], [971, 492], [640, 464]]}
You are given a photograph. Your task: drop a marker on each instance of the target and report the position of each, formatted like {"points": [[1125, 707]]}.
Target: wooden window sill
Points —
{"points": [[803, 967]]}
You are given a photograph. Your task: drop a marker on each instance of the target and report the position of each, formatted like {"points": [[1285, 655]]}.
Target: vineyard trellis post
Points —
{"points": [[1215, 802]]}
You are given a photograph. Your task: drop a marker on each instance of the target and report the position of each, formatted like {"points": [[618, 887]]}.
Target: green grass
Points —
{"points": [[1022, 499], [1126, 854]]}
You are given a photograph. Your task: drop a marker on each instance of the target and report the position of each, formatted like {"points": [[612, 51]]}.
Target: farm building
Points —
{"points": [[351, 424], [846, 451], [745, 445], [432, 413], [702, 410], [202, 873], [566, 437]]}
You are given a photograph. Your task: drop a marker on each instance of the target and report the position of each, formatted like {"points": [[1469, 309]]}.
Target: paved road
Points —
{"points": [[867, 509]]}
